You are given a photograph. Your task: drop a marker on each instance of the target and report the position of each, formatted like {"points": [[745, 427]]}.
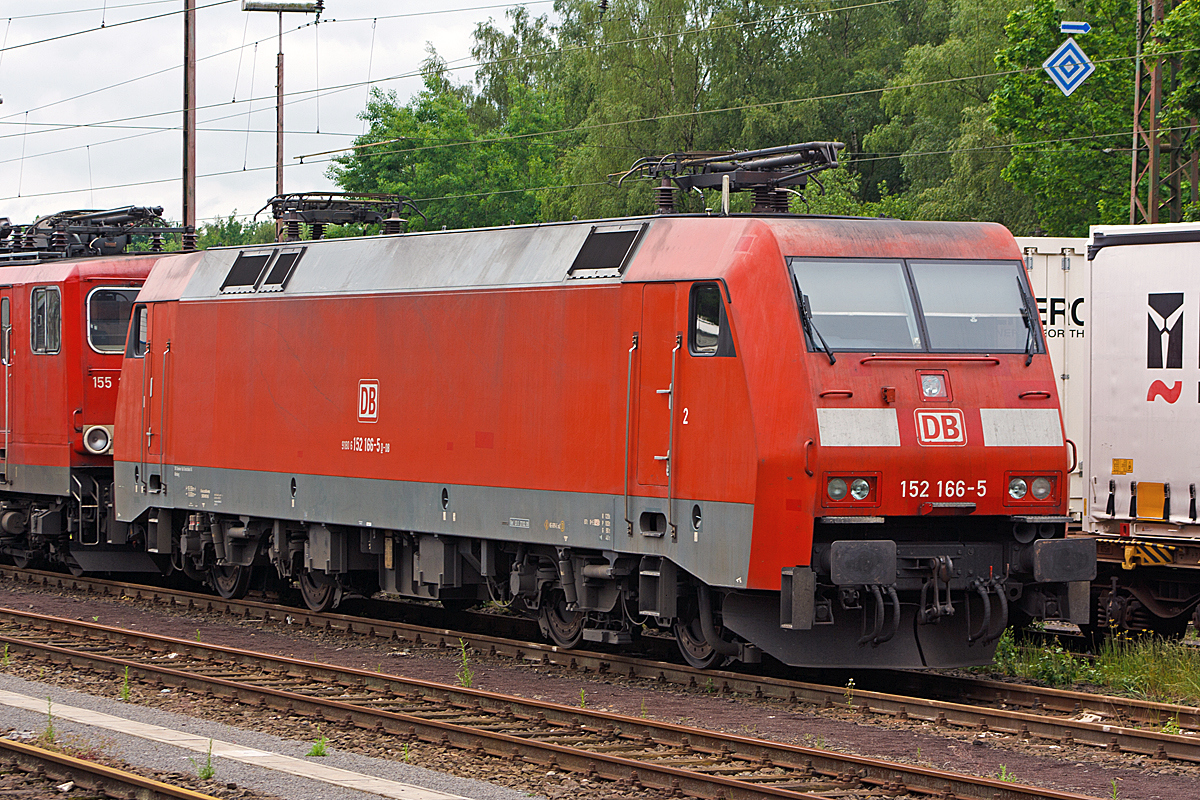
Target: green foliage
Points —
{"points": [[320, 746], [1175, 39], [470, 165], [1060, 143], [465, 675], [48, 735], [1005, 775], [583, 698], [1048, 663], [206, 771], [125, 686], [233, 232], [1150, 667]]}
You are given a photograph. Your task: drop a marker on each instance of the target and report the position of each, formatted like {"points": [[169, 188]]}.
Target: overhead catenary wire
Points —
{"points": [[105, 7], [72, 34], [303, 94], [27, 124]]}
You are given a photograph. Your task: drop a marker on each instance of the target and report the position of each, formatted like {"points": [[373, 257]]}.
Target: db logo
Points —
{"points": [[944, 426], [368, 401]]}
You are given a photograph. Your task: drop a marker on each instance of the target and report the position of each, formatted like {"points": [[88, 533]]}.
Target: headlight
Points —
{"points": [[1041, 488], [97, 439], [1017, 488], [836, 489], [859, 489], [933, 386]]}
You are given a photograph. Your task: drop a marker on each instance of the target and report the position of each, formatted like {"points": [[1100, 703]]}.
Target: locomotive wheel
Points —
{"points": [[318, 595], [21, 561], [695, 651], [563, 627], [232, 583]]}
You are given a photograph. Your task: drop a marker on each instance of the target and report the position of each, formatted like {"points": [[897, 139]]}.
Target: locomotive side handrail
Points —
{"points": [[932, 359]]}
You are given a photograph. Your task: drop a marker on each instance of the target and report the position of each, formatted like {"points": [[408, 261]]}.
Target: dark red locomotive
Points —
{"points": [[834, 440], [66, 293]]}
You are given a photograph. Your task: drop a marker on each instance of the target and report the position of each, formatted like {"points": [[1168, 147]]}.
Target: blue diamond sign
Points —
{"points": [[1068, 67]]}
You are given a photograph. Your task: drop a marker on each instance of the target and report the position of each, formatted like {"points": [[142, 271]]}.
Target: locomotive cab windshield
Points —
{"points": [[917, 306]]}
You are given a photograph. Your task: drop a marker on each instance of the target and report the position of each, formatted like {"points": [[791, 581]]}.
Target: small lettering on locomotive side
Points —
{"points": [[517, 522]]}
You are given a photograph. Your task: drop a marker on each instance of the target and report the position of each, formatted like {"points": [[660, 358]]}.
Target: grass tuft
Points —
{"points": [[1148, 667]]}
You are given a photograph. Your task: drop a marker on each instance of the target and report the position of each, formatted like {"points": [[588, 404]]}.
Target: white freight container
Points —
{"points": [[1143, 460], [1058, 270]]}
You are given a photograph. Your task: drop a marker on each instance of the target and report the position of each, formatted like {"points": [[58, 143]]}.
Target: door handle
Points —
{"points": [[807, 450]]}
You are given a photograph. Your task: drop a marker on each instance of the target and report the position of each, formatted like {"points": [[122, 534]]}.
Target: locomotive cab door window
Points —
{"points": [[46, 330], [708, 327]]}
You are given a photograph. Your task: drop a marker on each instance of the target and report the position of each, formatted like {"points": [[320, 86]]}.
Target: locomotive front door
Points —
{"points": [[156, 346], [658, 345], [6, 359]]}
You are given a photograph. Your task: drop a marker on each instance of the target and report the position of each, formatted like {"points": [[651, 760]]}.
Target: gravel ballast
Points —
{"points": [[160, 757]]}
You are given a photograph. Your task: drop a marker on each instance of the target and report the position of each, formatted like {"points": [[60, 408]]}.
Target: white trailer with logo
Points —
{"points": [[1143, 446], [1058, 271]]}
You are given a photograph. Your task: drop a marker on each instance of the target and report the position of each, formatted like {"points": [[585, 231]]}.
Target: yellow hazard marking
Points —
{"points": [[1122, 466], [1147, 555]]}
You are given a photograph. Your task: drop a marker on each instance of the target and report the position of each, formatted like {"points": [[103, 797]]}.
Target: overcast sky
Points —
{"points": [[91, 118]]}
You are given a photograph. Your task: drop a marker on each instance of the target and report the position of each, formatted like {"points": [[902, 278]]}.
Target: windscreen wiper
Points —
{"points": [[810, 327], [1028, 319]]}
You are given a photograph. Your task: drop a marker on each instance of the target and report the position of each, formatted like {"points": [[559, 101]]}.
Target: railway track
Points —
{"points": [[58, 769], [1028, 712], [594, 744]]}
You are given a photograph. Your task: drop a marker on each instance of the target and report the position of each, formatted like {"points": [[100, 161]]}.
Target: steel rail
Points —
{"points": [[106, 781], [1028, 720], [600, 744]]}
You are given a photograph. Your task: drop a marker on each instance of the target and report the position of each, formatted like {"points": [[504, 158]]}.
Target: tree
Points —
{"points": [[468, 163], [1175, 39], [232, 231], [1068, 151]]}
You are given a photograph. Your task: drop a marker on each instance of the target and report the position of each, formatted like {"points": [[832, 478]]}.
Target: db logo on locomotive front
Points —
{"points": [[941, 427], [368, 401]]}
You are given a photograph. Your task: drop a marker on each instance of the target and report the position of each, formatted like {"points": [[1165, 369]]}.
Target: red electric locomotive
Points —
{"points": [[834, 440], [66, 293]]}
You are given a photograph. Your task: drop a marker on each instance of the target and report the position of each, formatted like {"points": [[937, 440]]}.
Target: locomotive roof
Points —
{"points": [[675, 247], [124, 267]]}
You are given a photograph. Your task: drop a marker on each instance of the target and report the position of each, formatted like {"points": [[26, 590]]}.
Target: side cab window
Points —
{"points": [[708, 327], [139, 333], [46, 330]]}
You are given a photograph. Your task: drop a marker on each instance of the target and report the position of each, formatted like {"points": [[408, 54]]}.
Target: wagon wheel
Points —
{"points": [[21, 560], [231, 582], [319, 594], [562, 626], [695, 650]]}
